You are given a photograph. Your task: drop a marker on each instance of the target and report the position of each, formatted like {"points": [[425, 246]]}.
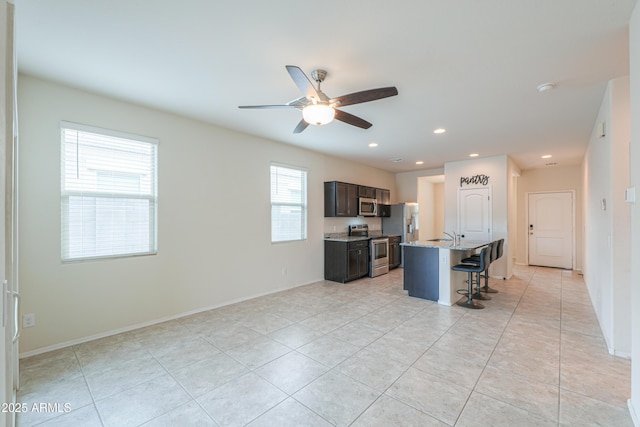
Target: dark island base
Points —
{"points": [[421, 274]]}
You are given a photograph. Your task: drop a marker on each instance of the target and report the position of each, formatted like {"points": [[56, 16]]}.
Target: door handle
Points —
{"points": [[16, 306], [5, 304]]}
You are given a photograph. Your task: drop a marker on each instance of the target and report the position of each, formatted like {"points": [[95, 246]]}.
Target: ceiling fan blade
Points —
{"points": [[364, 96], [268, 106], [352, 120], [302, 81], [301, 126], [299, 103]]}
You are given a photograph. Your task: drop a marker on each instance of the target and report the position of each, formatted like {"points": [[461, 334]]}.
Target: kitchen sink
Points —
{"points": [[439, 240]]}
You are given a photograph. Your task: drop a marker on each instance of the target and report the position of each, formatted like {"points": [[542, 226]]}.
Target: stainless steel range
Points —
{"points": [[378, 250], [378, 256]]}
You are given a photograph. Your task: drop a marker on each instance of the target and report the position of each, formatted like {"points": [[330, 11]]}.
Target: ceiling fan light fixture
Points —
{"points": [[318, 114]]}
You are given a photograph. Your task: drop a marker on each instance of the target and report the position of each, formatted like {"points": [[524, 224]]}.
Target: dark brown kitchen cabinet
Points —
{"points": [[345, 261], [394, 251], [367, 192], [340, 199], [383, 200]]}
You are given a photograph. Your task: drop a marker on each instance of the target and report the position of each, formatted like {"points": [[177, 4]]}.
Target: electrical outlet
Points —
{"points": [[28, 320]]}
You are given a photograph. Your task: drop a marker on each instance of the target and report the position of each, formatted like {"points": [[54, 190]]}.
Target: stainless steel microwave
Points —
{"points": [[367, 207]]}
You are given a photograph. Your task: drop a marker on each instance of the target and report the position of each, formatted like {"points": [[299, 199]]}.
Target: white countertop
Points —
{"points": [[464, 245]]}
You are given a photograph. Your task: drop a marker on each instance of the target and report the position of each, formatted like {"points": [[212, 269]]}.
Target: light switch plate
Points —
{"points": [[630, 195]]}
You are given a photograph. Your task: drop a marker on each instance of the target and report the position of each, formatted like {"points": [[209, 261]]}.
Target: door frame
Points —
{"points": [[573, 223], [490, 206]]}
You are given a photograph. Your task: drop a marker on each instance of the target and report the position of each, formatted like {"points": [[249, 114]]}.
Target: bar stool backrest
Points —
{"points": [[494, 251], [484, 258], [500, 249]]}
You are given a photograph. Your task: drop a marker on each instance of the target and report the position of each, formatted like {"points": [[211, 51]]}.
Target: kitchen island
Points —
{"points": [[427, 268]]}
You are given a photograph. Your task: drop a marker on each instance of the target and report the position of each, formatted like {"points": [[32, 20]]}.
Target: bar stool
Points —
{"points": [[499, 248], [496, 252], [470, 269], [475, 259]]}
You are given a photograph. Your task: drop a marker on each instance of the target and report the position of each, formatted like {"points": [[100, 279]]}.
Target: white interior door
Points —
{"points": [[551, 229], [8, 218], [474, 213]]}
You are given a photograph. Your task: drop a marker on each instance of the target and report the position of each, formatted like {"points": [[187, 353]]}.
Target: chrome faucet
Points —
{"points": [[455, 237]]}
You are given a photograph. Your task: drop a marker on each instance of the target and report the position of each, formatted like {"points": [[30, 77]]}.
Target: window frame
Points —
{"points": [[304, 232], [65, 194]]}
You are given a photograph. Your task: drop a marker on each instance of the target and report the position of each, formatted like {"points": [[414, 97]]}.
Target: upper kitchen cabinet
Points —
{"points": [[340, 199], [366, 192], [383, 200]]}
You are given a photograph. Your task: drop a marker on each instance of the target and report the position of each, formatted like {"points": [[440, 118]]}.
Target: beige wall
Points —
{"points": [[555, 178], [438, 207], [607, 220], [431, 205], [620, 225], [426, 214], [214, 243], [407, 184]]}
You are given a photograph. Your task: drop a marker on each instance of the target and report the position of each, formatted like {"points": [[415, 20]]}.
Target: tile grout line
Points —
{"points": [[560, 346], [473, 389], [84, 378]]}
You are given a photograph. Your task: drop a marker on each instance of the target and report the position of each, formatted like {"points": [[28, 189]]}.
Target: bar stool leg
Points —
{"points": [[486, 288], [478, 295], [470, 303]]}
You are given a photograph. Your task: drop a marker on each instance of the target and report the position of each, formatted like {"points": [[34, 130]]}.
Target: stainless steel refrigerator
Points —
{"points": [[403, 221]]}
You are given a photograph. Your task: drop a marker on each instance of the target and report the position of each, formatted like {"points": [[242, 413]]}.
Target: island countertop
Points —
{"points": [[464, 245]]}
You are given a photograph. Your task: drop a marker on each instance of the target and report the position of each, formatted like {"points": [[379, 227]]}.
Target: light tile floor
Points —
{"points": [[361, 354]]}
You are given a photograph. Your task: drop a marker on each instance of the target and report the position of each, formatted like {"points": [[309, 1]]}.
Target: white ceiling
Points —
{"points": [[469, 66]]}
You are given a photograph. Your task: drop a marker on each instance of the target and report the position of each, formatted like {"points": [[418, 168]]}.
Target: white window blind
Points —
{"points": [[109, 193], [288, 204]]}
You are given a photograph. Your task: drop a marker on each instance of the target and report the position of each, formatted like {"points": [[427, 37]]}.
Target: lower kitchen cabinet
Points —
{"points": [[345, 261], [394, 251]]}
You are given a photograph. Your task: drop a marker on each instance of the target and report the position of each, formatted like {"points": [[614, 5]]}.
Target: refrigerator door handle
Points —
{"points": [[16, 307], [5, 303]]}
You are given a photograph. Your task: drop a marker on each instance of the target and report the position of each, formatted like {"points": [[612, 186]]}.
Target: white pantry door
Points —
{"points": [[551, 229], [474, 213]]}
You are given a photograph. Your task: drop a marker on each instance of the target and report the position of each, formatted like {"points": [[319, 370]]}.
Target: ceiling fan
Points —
{"points": [[318, 109]]}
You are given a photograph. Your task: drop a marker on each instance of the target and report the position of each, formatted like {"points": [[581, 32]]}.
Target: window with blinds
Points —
{"points": [[109, 193], [288, 204]]}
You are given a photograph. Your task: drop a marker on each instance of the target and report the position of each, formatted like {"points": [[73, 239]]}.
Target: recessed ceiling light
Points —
{"points": [[474, 155], [544, 87], [419, 162], [547, 156], [440, 130], [373, 144], [395, 160]]}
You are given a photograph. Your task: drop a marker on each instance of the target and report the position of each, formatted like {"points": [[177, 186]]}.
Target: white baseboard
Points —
{"points": [[65, 344], [621, 354], [634, 414]]}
